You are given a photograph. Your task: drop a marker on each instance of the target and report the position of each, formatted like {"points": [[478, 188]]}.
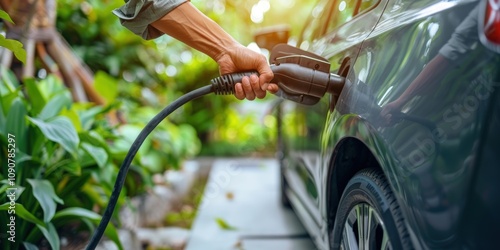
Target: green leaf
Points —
{"points": [[23, 213], [85, 160], [16, 123], [6, 185], [106, 86], [73, 117], [153, 161], [51, 235], [94, 194], [70, 166], [74, 185], [60, 130], [15, 46], [35, 96], [29, 246], [128, 133], [98, 154], [9, 81], [44, 193], [223, 224], [51, 86], [2, 120], [55, 105], [77, 212], [5, 16], [112, 234], [94, 138], [88, 116]]}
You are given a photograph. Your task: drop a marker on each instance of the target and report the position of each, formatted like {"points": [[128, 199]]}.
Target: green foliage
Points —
{"points": [[52, 162], [5, 16], [73, 154], [242, 133], [13, 45], [46, 197]]}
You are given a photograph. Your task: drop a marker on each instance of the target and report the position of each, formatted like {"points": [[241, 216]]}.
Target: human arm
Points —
{"points": [[423, 83], [187, 24]]}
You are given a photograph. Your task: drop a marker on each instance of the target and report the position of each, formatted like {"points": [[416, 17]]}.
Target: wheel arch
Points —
{"points": [[351, 154]]}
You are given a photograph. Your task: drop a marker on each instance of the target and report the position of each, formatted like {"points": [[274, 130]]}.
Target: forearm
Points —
{"points": [[187, 24], [432, 74]]}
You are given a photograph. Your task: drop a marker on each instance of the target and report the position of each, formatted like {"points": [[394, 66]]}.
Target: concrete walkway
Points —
{"points": [[243, 195]]}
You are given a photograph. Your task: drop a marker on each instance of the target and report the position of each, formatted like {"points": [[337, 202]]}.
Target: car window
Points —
{"points": [[316, 24], [343, 11], [366, 5]]}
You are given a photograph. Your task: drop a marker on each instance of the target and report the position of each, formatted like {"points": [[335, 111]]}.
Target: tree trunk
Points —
{"points": [[34, 26]]}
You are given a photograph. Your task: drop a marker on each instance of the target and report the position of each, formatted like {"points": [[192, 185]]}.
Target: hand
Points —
{"points": [[389, 109], [238, 59]]}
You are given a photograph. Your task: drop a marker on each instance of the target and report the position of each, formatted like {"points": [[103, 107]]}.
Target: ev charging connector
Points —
{"points": [[301, 76]]}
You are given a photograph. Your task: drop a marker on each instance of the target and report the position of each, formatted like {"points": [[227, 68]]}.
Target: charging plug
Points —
{"points": [[296, 83]]}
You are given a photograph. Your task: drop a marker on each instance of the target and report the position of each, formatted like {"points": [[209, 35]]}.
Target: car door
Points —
{"points": [[352, 22], [301, 130], [329, 33]]}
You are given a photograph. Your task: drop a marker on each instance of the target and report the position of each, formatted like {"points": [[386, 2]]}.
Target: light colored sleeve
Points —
{"points": [[137, 15], [463, 40]]}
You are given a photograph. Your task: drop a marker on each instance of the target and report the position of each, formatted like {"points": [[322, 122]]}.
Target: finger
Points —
{"points": [[265, 73], [273, 88], [247, 88], [238, 91], [254, 81], [385, 111], [388, 119]]}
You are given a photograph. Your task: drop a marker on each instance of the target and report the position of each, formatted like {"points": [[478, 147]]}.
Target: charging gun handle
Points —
{"points": [[224, 84]]}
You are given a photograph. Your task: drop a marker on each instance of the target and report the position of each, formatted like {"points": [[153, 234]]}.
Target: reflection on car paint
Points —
{"points": [[419, 95]]}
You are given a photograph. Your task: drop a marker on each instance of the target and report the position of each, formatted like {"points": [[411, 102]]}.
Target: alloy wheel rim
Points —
{"points": [[364, 230]]}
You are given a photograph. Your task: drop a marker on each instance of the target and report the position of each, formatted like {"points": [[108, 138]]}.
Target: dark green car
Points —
{"points": [[407, 155]]}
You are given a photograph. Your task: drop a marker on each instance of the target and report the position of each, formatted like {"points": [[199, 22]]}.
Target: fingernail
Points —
{"points": [[264, 86]]}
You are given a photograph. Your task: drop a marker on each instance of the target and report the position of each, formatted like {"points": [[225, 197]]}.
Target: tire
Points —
{"points": [[369, 196]]}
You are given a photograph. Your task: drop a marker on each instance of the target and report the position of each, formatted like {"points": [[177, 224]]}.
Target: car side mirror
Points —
{"points": [[269, 37]]}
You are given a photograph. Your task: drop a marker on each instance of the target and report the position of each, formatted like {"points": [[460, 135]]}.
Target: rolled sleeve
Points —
{"points": [[137, 15]]}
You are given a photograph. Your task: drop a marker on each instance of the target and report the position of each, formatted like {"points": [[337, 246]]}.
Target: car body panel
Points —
{"points": [[435, 150], [430, 151]]}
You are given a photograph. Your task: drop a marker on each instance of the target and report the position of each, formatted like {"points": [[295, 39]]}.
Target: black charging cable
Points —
{"points": [[223, 85]]}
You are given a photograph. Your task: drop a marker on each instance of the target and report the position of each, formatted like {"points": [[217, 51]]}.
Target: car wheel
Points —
{"points": [[368, 215]]}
